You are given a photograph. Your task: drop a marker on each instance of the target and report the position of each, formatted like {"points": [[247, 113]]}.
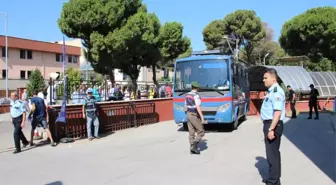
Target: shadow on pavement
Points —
{"points": [[203, 145], [215, 127], [262, 167], [55, 183], [316, 139]]}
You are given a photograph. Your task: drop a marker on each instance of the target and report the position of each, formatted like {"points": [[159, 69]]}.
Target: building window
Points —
{"points": [[75, 59], [29, 54], [3, 51], [70, 58], [4, 73], [22, 54], [26, 54], [23, 74], [58, 57], [29, 73]]}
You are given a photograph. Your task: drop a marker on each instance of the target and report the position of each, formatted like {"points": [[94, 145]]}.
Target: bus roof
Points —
{"points": [[204, 57]]}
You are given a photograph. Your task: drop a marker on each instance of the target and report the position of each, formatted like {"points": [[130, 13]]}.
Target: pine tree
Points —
{"points": [[36, 82]]}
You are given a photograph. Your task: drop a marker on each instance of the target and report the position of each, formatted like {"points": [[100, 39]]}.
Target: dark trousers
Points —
{"points": [[18, 134], [292, 106], [273, 153], [311, 106]]}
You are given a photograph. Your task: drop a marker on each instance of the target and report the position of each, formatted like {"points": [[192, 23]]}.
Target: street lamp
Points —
{"points": [[265, 57], [6, 17]]}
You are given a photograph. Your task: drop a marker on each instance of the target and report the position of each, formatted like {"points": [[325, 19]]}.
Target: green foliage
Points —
{"points": [[172, 42], [87, 19], [312, 33], [322, 65], [134, 43], [243, 25], [213, 34], [100, 79], [73, 79], [121, 35], [186, 53], [36, 82], [266, 46]]}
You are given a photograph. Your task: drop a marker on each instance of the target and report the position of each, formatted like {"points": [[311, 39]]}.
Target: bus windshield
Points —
{"points": [[212, 75]]}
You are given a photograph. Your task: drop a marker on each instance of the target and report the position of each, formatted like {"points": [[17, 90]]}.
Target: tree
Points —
{"points": [[266, 46], [132, 45], [73, 79], [82, 18], [213, 34], [186, 53], [121, 35], [171, 45], [100, 79], [322, 65], [312, 33], [243, 26], [36, 82]]}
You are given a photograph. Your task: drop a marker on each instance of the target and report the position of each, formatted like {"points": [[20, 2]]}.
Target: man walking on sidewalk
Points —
{"points": [[195, 117], [40, 117], [18, 114]]}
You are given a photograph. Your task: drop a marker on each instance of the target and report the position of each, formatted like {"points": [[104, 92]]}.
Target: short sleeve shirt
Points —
{"points": [[40, 108], [17, 108], [274, 100], [197, 98]]}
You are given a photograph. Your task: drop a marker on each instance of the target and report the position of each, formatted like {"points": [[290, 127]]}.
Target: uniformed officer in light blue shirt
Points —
{"points": [[18, 114], [272, 114]]}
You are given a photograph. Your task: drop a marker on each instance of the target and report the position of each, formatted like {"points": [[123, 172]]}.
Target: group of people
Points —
{"points": [[117, 92], [273, 112], [37, 115], [313, 104]]}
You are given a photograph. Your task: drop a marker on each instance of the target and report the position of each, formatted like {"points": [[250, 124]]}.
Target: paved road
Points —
{"points": [[158, 155]]}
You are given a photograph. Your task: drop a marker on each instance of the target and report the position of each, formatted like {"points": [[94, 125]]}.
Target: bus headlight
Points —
{"points": [[223, 108], [178, 107]]}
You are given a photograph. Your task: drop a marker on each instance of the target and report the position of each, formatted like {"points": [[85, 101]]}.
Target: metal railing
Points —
{"points": [[112, 117]]}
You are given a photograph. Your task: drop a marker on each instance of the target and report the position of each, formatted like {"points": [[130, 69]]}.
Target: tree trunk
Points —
{"points": [[154, 77], [134, 87], [111, 75], [249, 50]]}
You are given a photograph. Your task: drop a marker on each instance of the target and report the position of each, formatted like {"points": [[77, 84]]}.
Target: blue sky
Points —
{"points": [[37, 19]]}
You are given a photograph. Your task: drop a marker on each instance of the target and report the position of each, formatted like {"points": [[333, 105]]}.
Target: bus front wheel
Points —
{"points": [[235, 124]]}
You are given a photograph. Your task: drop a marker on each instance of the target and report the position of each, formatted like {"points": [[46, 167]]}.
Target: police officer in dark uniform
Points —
{"points": [[313, 102], [90, 114], [18, 114], [291, 99], [195, 117], [272, 114]]}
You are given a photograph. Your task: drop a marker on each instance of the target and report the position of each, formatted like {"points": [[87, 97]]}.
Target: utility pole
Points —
{"points": [[6, 35]]}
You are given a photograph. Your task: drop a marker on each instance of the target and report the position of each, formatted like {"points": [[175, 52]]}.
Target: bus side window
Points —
{"points": [[233, 68], [238, 75]]}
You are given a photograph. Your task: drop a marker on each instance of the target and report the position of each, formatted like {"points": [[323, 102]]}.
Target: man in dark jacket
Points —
{"points": [[313, 102], [291, 99]]}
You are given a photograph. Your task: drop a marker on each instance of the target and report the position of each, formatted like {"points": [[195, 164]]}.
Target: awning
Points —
{"points": [[295, 76], [324, 82]]}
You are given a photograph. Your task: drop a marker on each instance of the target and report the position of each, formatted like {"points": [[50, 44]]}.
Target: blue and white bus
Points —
{"points": [[224, 88]]}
